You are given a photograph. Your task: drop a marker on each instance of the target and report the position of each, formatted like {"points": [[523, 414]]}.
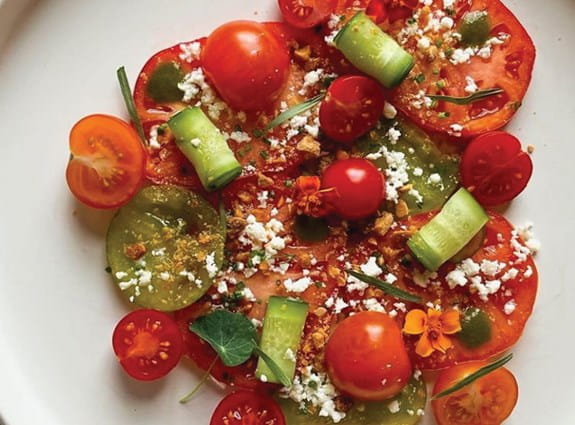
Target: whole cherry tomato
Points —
{"points": [[306, 13]]}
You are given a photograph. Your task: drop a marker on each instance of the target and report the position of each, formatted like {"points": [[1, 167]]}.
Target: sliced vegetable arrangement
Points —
{"points": [[304, 210]]}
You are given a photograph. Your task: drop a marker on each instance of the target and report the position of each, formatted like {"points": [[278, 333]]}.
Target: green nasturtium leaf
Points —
{"points": [[231, 335]]}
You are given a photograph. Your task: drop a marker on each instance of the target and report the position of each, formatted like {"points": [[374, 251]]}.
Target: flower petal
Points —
{"points": [[415, 322], [441, 343], [424, 347], [450, 322]]}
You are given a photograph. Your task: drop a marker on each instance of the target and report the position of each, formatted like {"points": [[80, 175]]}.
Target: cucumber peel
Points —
{"points": [[372, 51], [449, 231], [281, 335], [205, 147]]}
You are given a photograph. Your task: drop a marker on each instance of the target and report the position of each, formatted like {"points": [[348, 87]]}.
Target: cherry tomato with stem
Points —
{"points": [[148, 344], [107, 161], [488, 400], [352, 106], [366, 357], [247, 408], [495, 169], [359, 187], [306, 13], [247, 64]]}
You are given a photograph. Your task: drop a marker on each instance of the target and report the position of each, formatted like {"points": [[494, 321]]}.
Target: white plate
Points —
{"points": [[57, 306]]}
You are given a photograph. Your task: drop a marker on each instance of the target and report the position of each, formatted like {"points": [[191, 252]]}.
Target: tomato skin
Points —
{"points": [[359, 186], [106, 166], [495, 168], [487, 401], [148, 344], [352, 106], [306, 13], [247, 408], [358, 355], [247, 64]]}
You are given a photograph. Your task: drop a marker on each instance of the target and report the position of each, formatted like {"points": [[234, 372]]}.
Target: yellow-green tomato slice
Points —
{"points": [[164, 248]]}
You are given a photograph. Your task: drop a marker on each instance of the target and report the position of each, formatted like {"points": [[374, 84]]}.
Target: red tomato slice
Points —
{"points": [[509, 67], [351, 108], [495, 168], [359, 187], [487, 401], [247, 408], [391, 10], [505, 329], [106, 165], [247, 64], [148, 344], [366, 357], [306, 13]]}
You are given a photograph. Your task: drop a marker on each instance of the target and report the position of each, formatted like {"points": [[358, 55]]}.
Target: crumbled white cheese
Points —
{"points": [[290, 355], [446, 22], [509, 307], [389, 111], [299, 285], [339, 306], [371, 268], [418, 172], [471, 86], [190, 51], [311, 79], [121, 275], [424, 43], [153, 139], [211, 266], [240, 136], [394, 407], [372, 304]]}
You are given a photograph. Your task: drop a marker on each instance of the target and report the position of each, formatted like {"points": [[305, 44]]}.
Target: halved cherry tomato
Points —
{"points": [[107, 161], [352, 106], [248, 408], [148, 344], [495, 168], [366, 358], [487, 401], [247, 63], [508, 66], [359, 186], [306, 13]]}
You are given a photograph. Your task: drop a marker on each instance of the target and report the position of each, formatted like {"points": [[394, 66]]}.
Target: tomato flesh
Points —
{"points": [[495, 168], [487, 401], [351, 108], [359, 187], [106, 166], [148, 344], [247, 64], [366, 358], [306, 13], [247, 408]]}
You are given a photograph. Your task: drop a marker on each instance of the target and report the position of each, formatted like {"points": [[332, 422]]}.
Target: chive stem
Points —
{"points": [[294, 110], [129, 101], [388, 288], [474, 97]]}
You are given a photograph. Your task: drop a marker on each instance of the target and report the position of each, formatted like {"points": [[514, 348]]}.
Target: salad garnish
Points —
{"points": [[129, 101], [386, 287], [466, 100], [294, 111]]}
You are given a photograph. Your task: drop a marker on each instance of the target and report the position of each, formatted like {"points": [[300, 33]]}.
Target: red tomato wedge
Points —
{"points": [[148, 344], [495, 168], [247, 408], [506, 329], [352, 106], [506, 64], [106, 164], [487, 401], [306, 13]]}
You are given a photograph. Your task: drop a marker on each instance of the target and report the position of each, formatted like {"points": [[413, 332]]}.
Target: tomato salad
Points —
{"points": [[306, 211]]}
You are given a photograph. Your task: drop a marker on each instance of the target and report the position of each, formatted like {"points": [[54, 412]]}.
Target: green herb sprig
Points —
{"points": [[388, 288], [485, 370], [233, 337], [481, 94], [129, 101], [294, 110]]}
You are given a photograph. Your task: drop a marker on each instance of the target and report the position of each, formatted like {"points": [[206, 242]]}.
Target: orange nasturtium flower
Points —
{"points": [[433, 327], [309, 199]]}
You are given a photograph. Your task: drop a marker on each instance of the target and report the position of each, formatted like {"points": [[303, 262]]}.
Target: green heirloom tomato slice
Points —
{"points": [[165, 247], [404, 409]]}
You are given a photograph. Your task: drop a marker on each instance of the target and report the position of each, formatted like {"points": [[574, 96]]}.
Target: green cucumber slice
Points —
{"points": [[175, 231], [206, 148], [449, 231], [281, 335], [410, 402], [163, 83], [372, 51]]}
